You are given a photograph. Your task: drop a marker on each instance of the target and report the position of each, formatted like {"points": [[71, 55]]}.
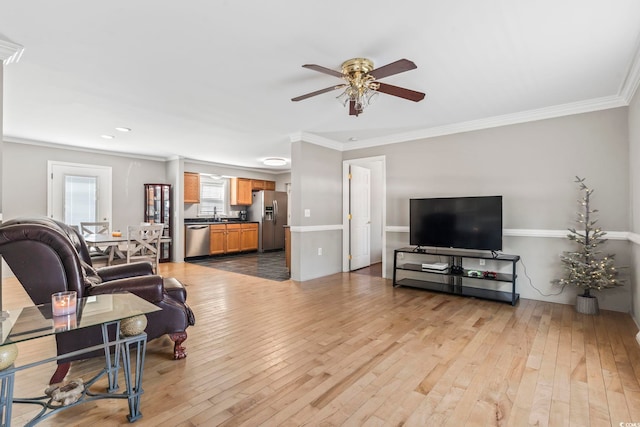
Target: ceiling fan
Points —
{"points": [[362, 82]]}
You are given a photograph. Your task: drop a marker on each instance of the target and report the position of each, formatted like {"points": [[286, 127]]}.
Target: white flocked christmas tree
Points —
{"points": [[586, 267]]}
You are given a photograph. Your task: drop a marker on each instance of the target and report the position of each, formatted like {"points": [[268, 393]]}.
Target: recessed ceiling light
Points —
{"points": [[107, 136], [353, 138], [123, 129], [275, 161]]}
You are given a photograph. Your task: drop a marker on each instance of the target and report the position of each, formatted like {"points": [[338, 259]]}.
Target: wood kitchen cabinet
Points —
{"points": [[259, 184], [231, 238], [217, 239], [234, 232], [249, 237], [191, 187], [241, 191], [287, 247]]}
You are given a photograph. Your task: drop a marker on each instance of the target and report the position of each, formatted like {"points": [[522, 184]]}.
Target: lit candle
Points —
{"points": [[63, 303]]}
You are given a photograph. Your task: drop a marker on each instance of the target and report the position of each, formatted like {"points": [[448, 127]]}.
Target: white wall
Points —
{"points": [[532, 165]]}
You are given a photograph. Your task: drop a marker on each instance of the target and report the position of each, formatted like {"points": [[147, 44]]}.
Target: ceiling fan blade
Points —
{"points": [[401, 92], [322, 69], [399, 66], [317, 92]]}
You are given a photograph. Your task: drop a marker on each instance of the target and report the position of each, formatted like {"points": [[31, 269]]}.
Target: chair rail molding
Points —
{"points": [[312, 228], [525, 232]]}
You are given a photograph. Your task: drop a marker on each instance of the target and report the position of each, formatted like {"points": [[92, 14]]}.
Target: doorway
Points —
{"points": [[78, 192], [375, 238]]}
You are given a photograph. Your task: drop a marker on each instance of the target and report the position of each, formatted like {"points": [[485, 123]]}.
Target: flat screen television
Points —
{"points": [[457, 222]]}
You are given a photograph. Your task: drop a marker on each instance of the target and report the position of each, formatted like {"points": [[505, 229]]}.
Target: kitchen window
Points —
{"points": [[213, 194]]}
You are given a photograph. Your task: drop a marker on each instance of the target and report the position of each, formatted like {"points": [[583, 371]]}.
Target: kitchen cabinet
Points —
{"points": [[191, 187], [241, 191], [287, 247], [259, 184], [217, 239], [249, 237], [233, 237]]}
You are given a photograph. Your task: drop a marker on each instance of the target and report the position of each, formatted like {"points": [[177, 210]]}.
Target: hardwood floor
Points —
{"points": [[350, 349]]}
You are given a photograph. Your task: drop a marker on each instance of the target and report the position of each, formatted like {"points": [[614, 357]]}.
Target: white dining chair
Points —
{"points": [[96, 227], [143, 243]]}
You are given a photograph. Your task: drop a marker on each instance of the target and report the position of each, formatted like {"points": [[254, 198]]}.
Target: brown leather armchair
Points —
{"points": [[48, 256]]}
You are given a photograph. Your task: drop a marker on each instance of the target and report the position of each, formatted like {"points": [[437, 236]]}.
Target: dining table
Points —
{"points": [[112, 244]]}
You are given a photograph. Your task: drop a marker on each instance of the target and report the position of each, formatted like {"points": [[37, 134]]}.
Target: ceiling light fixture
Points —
{"points": [[121, 129], [361, 87], [107, 136], [274, 161]]}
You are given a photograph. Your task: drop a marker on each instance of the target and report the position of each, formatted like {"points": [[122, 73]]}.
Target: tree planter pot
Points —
{"points": [[587, 305]]}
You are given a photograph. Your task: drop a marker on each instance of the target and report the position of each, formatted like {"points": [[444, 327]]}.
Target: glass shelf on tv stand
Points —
{"points": [[458, 283]]}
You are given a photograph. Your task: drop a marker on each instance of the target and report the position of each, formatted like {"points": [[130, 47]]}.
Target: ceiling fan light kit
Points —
{"points": [[361, 85]]}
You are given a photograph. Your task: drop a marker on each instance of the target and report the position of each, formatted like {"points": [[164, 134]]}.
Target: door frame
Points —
{"points": [[106, 192], [345, 208]]}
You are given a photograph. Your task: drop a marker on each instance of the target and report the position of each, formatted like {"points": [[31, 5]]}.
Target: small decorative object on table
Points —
{"points": [[585, 268], [133, 325], [63, 303], [8, 355], [66, 394]]}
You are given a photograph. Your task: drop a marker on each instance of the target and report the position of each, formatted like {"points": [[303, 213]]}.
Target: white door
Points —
{"points": [[360, 210], [78, 192]]}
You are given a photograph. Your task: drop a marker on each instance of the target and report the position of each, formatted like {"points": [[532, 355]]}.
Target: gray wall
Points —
{"points": [[1, 134], [634, 159], [532, 165], [316, 185], [25, 175]]}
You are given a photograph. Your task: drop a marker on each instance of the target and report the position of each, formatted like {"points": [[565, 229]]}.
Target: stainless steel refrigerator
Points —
{"points": [[269, 209]]}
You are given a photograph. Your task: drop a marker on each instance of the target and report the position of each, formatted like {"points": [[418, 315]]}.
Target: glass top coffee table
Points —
{"points": [[104, 310]]}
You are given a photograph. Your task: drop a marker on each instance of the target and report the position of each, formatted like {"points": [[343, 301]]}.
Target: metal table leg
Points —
{"points": [[6, 396]]}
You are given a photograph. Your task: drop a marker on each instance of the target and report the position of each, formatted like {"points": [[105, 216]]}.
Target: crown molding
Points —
{"points": [[632, 79], [10, 52], [15, 140], [555, 111], [317, 140]]}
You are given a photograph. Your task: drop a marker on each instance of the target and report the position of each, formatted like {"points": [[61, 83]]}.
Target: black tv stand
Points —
{"points": [[458, 280]]}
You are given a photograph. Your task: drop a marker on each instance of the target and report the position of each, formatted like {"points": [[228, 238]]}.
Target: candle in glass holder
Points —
{"points": [[63, 303], [64, 323]]}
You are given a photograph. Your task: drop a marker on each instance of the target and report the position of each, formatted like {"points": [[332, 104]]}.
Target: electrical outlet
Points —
{"points": [[307, 213], [481, 261], [401, 255], [319, 251]]}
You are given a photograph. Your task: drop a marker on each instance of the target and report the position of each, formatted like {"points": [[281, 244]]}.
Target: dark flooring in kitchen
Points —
{"points": [[267, 265]]}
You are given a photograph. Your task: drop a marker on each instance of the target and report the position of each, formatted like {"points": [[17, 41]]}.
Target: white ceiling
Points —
{"points": [[212, 80]]}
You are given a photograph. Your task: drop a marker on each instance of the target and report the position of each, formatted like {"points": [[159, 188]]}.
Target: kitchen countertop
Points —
{"points": [[205, 221]]}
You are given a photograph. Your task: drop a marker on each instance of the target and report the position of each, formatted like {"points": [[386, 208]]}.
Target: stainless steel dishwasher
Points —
{"points": [[196, 242]]}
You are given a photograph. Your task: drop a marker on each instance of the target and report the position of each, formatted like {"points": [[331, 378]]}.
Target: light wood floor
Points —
{"points": [[351, 350]]}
